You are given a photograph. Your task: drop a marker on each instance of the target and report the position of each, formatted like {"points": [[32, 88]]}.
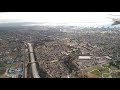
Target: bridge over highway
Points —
{"points": [[35, 73]]}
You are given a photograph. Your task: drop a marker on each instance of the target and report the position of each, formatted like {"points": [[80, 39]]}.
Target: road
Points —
{"points": [[32, 61]]}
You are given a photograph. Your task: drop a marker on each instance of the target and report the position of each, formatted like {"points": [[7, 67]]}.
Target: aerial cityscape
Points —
{"points": [[48, 50]]}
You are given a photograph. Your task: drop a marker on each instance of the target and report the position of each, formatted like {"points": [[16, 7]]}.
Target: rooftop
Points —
{"points": [[84, 57]]}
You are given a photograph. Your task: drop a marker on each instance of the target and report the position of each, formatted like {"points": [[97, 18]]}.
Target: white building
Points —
{"points": [[84, 57]]}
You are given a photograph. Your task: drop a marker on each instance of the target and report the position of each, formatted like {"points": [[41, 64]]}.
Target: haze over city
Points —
{"points": [[59, 18]]}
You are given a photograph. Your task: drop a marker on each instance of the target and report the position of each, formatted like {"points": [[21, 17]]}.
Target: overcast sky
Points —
{"points": [[70, 18]]}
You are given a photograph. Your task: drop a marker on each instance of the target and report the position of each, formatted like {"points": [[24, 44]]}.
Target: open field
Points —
{"points": [[104, 71], [2, 72]]}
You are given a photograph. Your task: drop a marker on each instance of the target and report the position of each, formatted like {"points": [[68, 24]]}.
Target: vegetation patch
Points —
{"points": [[2, 72], [91, 68], [106, 75], [2, 64], [96, 72], [113, 68], [115, 75], [104, 70], [106, 65]]}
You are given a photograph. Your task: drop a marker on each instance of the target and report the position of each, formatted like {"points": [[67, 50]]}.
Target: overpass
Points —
{"points": [[32, 62]]}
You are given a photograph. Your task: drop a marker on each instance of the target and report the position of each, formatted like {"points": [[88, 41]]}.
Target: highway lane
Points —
{"points": [[32, 61]]}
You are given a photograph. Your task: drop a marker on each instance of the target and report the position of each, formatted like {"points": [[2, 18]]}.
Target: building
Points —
{"points": [[85, 57]]}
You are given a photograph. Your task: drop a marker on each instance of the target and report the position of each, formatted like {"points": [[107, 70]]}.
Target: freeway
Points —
{"points": [[32, 61]]}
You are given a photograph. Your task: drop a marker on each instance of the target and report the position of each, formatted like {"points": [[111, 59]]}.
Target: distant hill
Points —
{"points": [[14, 24], [40, 26]]}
